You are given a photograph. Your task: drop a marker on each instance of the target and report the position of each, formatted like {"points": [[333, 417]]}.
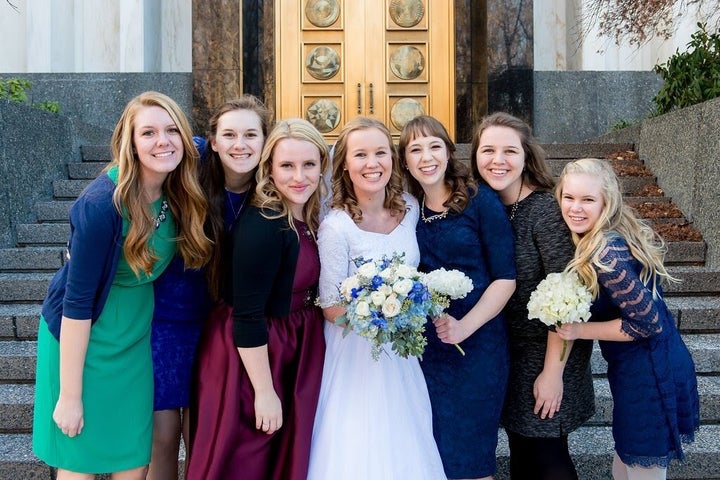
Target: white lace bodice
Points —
{"points": [[340, 241]]}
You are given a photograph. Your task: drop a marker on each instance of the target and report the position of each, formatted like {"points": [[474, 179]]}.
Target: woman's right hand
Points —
{"points": [[68, 416], [268, 411]]}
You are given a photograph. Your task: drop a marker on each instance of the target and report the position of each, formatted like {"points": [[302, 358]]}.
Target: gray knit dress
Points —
{"points": [[542, 245]]}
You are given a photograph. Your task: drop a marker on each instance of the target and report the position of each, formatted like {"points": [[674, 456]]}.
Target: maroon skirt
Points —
{"points": [[224, 441]]}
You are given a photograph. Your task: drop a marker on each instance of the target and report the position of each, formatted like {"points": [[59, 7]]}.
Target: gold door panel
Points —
{"points": [[337, 60]]}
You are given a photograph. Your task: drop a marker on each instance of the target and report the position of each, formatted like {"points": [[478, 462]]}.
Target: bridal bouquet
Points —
{"points": [[560, 298], [388, 301]]}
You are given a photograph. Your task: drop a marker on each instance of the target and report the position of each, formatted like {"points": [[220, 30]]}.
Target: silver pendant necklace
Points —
{"points": [[431, 218]]}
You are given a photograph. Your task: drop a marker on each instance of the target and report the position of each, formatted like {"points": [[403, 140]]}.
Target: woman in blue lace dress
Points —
{"points": [[650, 371], [462, 226]]}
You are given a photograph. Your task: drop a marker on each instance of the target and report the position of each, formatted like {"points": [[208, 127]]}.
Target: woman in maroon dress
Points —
{"points": [[261, 381]]}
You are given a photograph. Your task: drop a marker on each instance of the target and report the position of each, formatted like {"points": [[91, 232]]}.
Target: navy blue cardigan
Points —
{"points": [[80, 288]]}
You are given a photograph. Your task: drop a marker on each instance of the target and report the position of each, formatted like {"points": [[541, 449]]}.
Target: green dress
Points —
{"points": [[117, 378]]}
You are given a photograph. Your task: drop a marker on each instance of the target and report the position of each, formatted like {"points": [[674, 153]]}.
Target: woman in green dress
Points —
{"points": [[94, 387]]}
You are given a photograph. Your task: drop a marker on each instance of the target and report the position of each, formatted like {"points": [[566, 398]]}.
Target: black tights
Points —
{"points": [[540, 458]]}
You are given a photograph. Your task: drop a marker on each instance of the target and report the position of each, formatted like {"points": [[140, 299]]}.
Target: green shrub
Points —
{"points": [[620, 124], [692, 76], [16, 90]]}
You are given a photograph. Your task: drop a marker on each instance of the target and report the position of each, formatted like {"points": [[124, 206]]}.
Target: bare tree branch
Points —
{"points": [[12, 5]]}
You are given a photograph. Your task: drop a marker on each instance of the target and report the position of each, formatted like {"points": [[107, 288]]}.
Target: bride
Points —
{"points": [[373, 418]]}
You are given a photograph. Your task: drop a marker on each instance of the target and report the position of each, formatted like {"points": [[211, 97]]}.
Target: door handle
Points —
{"points": [[359, 98], [372, 100]]}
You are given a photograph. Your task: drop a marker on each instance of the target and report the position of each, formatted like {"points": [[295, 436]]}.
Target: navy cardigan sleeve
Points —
{"points": [[81, 286], [265, 255]]}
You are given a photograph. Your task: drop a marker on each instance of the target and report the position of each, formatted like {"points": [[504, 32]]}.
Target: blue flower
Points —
{"points": [[419, 293], [355, 292], [376, 282], [379, 320]]}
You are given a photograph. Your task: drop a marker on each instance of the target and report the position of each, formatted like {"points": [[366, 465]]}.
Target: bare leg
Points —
{"points": [[166, 445], [619, 469], [134, 474], [186, 433], [623, 472], [68, 475]]}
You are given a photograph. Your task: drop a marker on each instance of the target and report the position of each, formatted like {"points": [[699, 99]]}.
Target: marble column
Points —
{"points": [[217, 53], [471, 87]]}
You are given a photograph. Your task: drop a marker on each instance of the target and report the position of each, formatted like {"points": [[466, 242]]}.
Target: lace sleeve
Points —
{"points": [[334, 260], [640, 316]]}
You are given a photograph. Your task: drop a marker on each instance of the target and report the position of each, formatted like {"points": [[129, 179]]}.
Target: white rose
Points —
{"points": [[385, 289], [362, 309], [389, 275], [347, 286], [367, 270], [377, 298], [406, 271], [402, 287], [391, 307]]}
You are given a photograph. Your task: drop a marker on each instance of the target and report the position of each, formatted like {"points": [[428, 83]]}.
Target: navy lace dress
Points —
{"points": [[467, 392], [652, 379]]}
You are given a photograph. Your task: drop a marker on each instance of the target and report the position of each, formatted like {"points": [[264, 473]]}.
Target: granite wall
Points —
{"points": [[574, 106], [34, 147], [93, 102], [683, 149]]}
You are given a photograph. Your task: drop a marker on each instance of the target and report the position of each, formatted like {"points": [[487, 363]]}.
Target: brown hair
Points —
{"points": [[536, 172], [344, 197], [457, 176]]}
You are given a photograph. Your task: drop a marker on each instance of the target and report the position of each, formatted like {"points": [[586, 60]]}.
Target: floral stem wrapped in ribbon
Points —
{"points": [[388, 301], [560, 298]]}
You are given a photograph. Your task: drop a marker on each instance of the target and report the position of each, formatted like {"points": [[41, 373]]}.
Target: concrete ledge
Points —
{"points": [[69, 188], [19, 321], [24, 287], [32, 259], [43, 234], [85, 170], [54, 211], [17, 361]]}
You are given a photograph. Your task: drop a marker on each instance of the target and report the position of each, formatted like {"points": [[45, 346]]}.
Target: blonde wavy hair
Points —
{"points": [[181, 188], [267, 195], [616, 218], [344, 197]]}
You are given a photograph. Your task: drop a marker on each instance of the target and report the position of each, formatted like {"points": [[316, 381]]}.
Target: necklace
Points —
{"points": [[514, 207], [431, 218], [161, 216], [230, 198]]}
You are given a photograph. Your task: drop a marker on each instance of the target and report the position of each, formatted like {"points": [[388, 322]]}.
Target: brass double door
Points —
{"points": [[388, 59]]}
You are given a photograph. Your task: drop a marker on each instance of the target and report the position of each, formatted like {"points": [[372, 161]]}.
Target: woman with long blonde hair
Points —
{"points": [[650, 371], [94, 388], [267, 364]]}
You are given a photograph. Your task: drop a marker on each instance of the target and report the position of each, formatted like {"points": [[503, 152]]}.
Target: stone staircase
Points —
{"points": [[26, 270]]}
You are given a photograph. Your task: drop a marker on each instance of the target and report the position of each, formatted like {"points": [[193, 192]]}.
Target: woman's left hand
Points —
{"points": [[449, 329], [569, 331], [548, 393]]}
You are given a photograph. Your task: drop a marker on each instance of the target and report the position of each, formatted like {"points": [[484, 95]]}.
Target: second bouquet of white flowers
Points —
{"points": [[560, 298], [388, 301]]}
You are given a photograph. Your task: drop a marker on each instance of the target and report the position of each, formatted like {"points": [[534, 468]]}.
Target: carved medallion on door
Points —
{"points": [[338, 59]]}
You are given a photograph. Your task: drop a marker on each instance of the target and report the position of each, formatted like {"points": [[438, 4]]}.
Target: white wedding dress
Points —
{"points": [[373, 419]]}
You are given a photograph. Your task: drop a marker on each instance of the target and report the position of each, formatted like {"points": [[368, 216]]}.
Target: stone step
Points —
{"points": [[31, 259], [696, 314], [23, 287], [54, 211], [16, 407], [96, 153], [85, 170], [19, 321], [685, 253], [65, 189], [694, 281], [17, 361], [16, 404], [708, 388], [43, 233], [704, 348], [591, 448]]}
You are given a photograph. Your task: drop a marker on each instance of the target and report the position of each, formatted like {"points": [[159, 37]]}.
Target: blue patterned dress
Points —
{"points": [[652, 379], [467, 392]]}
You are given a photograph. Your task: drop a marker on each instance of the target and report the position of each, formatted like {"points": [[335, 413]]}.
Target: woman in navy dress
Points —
{"points": [[183, 297], [650, 371], [462, 226]]}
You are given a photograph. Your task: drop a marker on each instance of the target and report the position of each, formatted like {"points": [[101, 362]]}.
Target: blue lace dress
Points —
{"points": [[467, 392], [652, 379]]}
